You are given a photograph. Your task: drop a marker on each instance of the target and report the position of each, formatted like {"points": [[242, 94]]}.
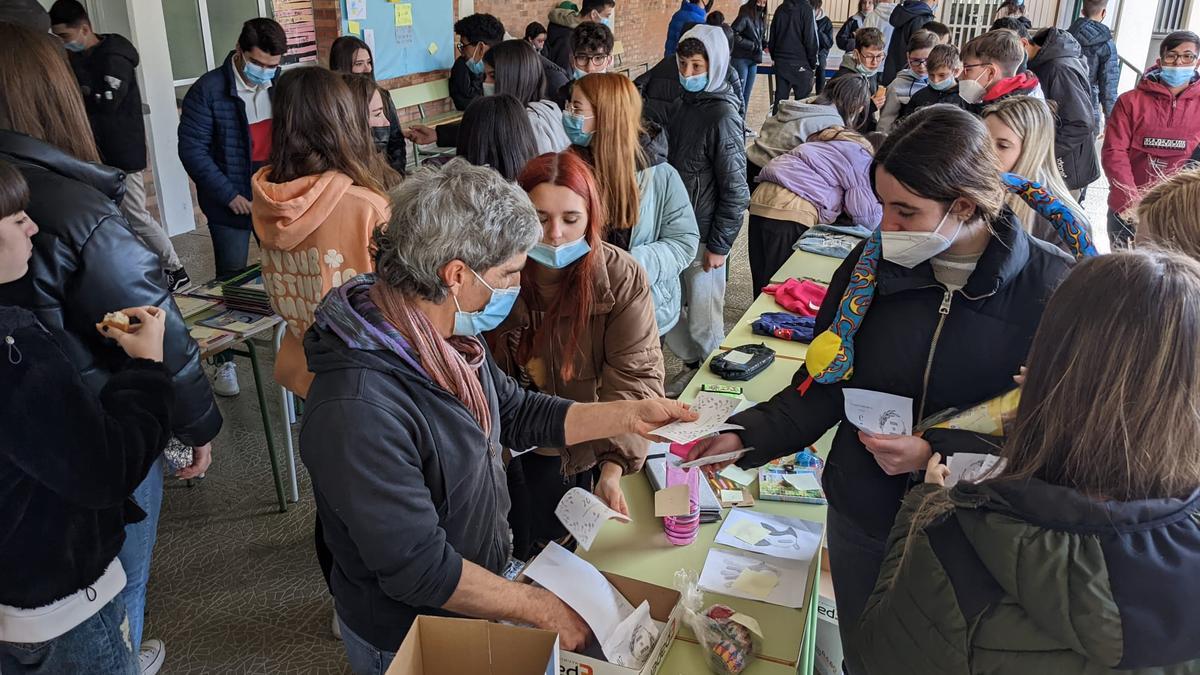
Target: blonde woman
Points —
{"points": [[649, 212], [1022, 130], [1167, 214], [1081, 554]]}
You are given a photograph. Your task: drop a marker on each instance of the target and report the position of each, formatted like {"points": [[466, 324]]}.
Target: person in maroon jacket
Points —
{"points": [[1152, 130]]}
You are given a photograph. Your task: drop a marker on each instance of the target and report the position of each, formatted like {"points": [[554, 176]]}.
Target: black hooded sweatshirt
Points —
{"points": [[108, 81]]}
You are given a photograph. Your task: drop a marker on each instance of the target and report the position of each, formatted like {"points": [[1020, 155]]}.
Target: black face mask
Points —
{"points": [[381, 136]]}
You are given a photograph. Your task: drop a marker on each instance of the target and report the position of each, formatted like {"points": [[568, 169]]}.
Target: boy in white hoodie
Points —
{"points": [[909, 81]]}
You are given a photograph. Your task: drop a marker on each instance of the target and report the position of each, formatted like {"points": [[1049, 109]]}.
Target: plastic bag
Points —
{"points": [[728, 644]]}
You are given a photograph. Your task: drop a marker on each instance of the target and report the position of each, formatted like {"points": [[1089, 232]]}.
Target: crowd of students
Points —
{"points": [[477, 336]]}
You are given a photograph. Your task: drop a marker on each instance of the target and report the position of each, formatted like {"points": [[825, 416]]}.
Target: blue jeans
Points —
{"points": [[94, 646], [231, 246], [139, 545], [363, 657], [747, 70]]}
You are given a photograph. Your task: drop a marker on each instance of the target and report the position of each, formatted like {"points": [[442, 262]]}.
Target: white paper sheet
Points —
{"points": [[713, 410], [619, 628], [723, 567], [790, 538], [583, 514], [970, 467], [356, 10], [876, 412]]}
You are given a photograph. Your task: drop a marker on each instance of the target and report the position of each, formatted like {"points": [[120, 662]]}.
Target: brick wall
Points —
{"points": [[640, 26]]}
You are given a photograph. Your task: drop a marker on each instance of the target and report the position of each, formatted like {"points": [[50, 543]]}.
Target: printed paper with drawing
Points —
{"points": [[755, 577], [970, 467], [583, 514], [713, 410], [876, 412], [616, 624], [777, 536]]}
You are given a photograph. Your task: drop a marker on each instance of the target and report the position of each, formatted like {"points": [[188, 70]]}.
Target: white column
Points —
{"points": [[147, 31], [1134, 26], [1191, 17]]}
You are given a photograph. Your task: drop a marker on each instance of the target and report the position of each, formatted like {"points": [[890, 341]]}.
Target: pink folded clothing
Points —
{"points": [[799, 296]]}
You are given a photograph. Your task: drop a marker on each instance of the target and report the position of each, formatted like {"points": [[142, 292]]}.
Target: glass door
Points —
{"points": [[203, 32]]}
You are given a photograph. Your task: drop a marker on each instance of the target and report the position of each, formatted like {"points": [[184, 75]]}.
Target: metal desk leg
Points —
{"points": [[289, 418], [252, 351]]}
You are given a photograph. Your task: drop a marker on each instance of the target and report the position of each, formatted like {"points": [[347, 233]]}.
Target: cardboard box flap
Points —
{"points": [[662, 600], [452, 646], [521, 651]]}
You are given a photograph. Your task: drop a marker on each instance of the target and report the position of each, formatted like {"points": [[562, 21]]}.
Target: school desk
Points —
{"points": [[742, 334], [805, 265]]}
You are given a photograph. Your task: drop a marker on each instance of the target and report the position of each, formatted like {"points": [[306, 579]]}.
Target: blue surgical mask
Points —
{"points": [[863, 70], [573, 125], [558, 257], [944, 85], [493, 313], [1177, 76], [579, 74], [607, 21], [474, 66], [74, 46], [915, 77], [258, 75], [694, 83], [489, 88]]}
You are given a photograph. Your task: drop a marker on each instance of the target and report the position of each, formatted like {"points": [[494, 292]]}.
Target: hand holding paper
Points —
{"points": [[710, 412], [879, 413], [583, 514]]}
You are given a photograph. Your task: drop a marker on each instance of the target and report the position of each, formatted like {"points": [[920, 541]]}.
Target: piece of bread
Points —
{"points": [[116, 321]]}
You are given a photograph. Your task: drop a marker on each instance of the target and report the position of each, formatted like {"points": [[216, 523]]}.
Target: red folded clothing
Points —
{"points": [[799, 296]]}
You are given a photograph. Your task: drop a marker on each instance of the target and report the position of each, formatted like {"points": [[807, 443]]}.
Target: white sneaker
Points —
{"points": [[151, 658], [225, 382]]}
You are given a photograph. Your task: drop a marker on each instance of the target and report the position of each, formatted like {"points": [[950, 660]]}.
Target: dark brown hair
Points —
{"points": [[342, 53], [39, 96], [868, 37], [518, 70], [319, 127], [14, 191]]}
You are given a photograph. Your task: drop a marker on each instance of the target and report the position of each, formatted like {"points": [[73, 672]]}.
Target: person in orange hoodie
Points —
{"points": [[315, 204]]}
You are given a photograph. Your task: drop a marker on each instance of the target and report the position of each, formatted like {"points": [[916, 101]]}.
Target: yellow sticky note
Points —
{"points": [[749, 531], [738, 475], [756, 584], [433, 48], [404, 14], [354, 27], [747, 621], [732, 496], [672, 501]]}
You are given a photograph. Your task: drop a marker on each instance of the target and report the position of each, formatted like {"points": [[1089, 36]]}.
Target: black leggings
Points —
{"points": [[536, 485], [770, 245]]}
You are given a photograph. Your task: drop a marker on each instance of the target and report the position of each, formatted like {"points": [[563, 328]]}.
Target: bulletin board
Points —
{"points": [[406, 36]]}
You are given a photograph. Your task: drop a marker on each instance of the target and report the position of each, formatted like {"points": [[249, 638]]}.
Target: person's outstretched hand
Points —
{"points": [[643, 417], [573, 631], [608, 488], [145, 339], [716, 445], [420, 134], [201, 460], [936, 473]]}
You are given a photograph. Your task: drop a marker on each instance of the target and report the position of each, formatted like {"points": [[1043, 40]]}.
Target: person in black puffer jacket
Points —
{"points": [[1057, 60], [69, 460], [824, 42], [87, 262], [908, 18], [660, 89], [749, 39], [795, 49], [950, 323], [1100, 49], [707, 145]]}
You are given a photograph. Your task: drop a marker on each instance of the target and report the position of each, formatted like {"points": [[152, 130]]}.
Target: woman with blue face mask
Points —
{"points": [[957, 294], [582, 328], [1152, 131]]}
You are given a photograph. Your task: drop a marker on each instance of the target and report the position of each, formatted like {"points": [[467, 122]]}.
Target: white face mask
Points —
{"points": [[909, 249], [971, 91]]}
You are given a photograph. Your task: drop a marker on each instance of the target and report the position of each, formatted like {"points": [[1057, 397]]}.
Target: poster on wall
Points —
{"points": [[296, 17], [410, 36]]}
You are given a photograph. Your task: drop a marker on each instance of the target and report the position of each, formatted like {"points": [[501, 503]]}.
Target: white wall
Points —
{"points": [[1134, 25]]}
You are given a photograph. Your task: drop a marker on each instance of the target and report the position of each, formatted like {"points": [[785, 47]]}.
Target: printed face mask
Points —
{"points": [[492, 315], [558, 257], [909, 249]]}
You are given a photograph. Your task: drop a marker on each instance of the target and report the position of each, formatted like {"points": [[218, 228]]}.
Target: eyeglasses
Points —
{"points": [[868, 57], [1184, 59], [597, 60], [974, 65], [576, 109], [917, 62], [463, 47]]}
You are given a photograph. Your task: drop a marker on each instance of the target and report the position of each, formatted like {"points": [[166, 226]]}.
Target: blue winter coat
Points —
{"points": [[689, 12], [1104, 66], [214, 144]]}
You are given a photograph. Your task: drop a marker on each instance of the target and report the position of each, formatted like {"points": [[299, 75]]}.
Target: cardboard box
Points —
{"points": [[445, 646], [664, 609]]}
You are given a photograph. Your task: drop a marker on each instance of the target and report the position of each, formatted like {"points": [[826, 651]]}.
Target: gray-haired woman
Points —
{"points": [[408, 414]]}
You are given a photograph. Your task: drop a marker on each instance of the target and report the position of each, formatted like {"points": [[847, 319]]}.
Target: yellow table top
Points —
{"points": [[741, 333], [805, 265]]}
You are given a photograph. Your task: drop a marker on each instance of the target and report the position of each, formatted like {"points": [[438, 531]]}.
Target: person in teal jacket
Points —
{"points": [[1081, 553], [649, 212]]}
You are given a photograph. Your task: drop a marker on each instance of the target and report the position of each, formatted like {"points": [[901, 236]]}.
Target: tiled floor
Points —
{"points": [[235, 586]]}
